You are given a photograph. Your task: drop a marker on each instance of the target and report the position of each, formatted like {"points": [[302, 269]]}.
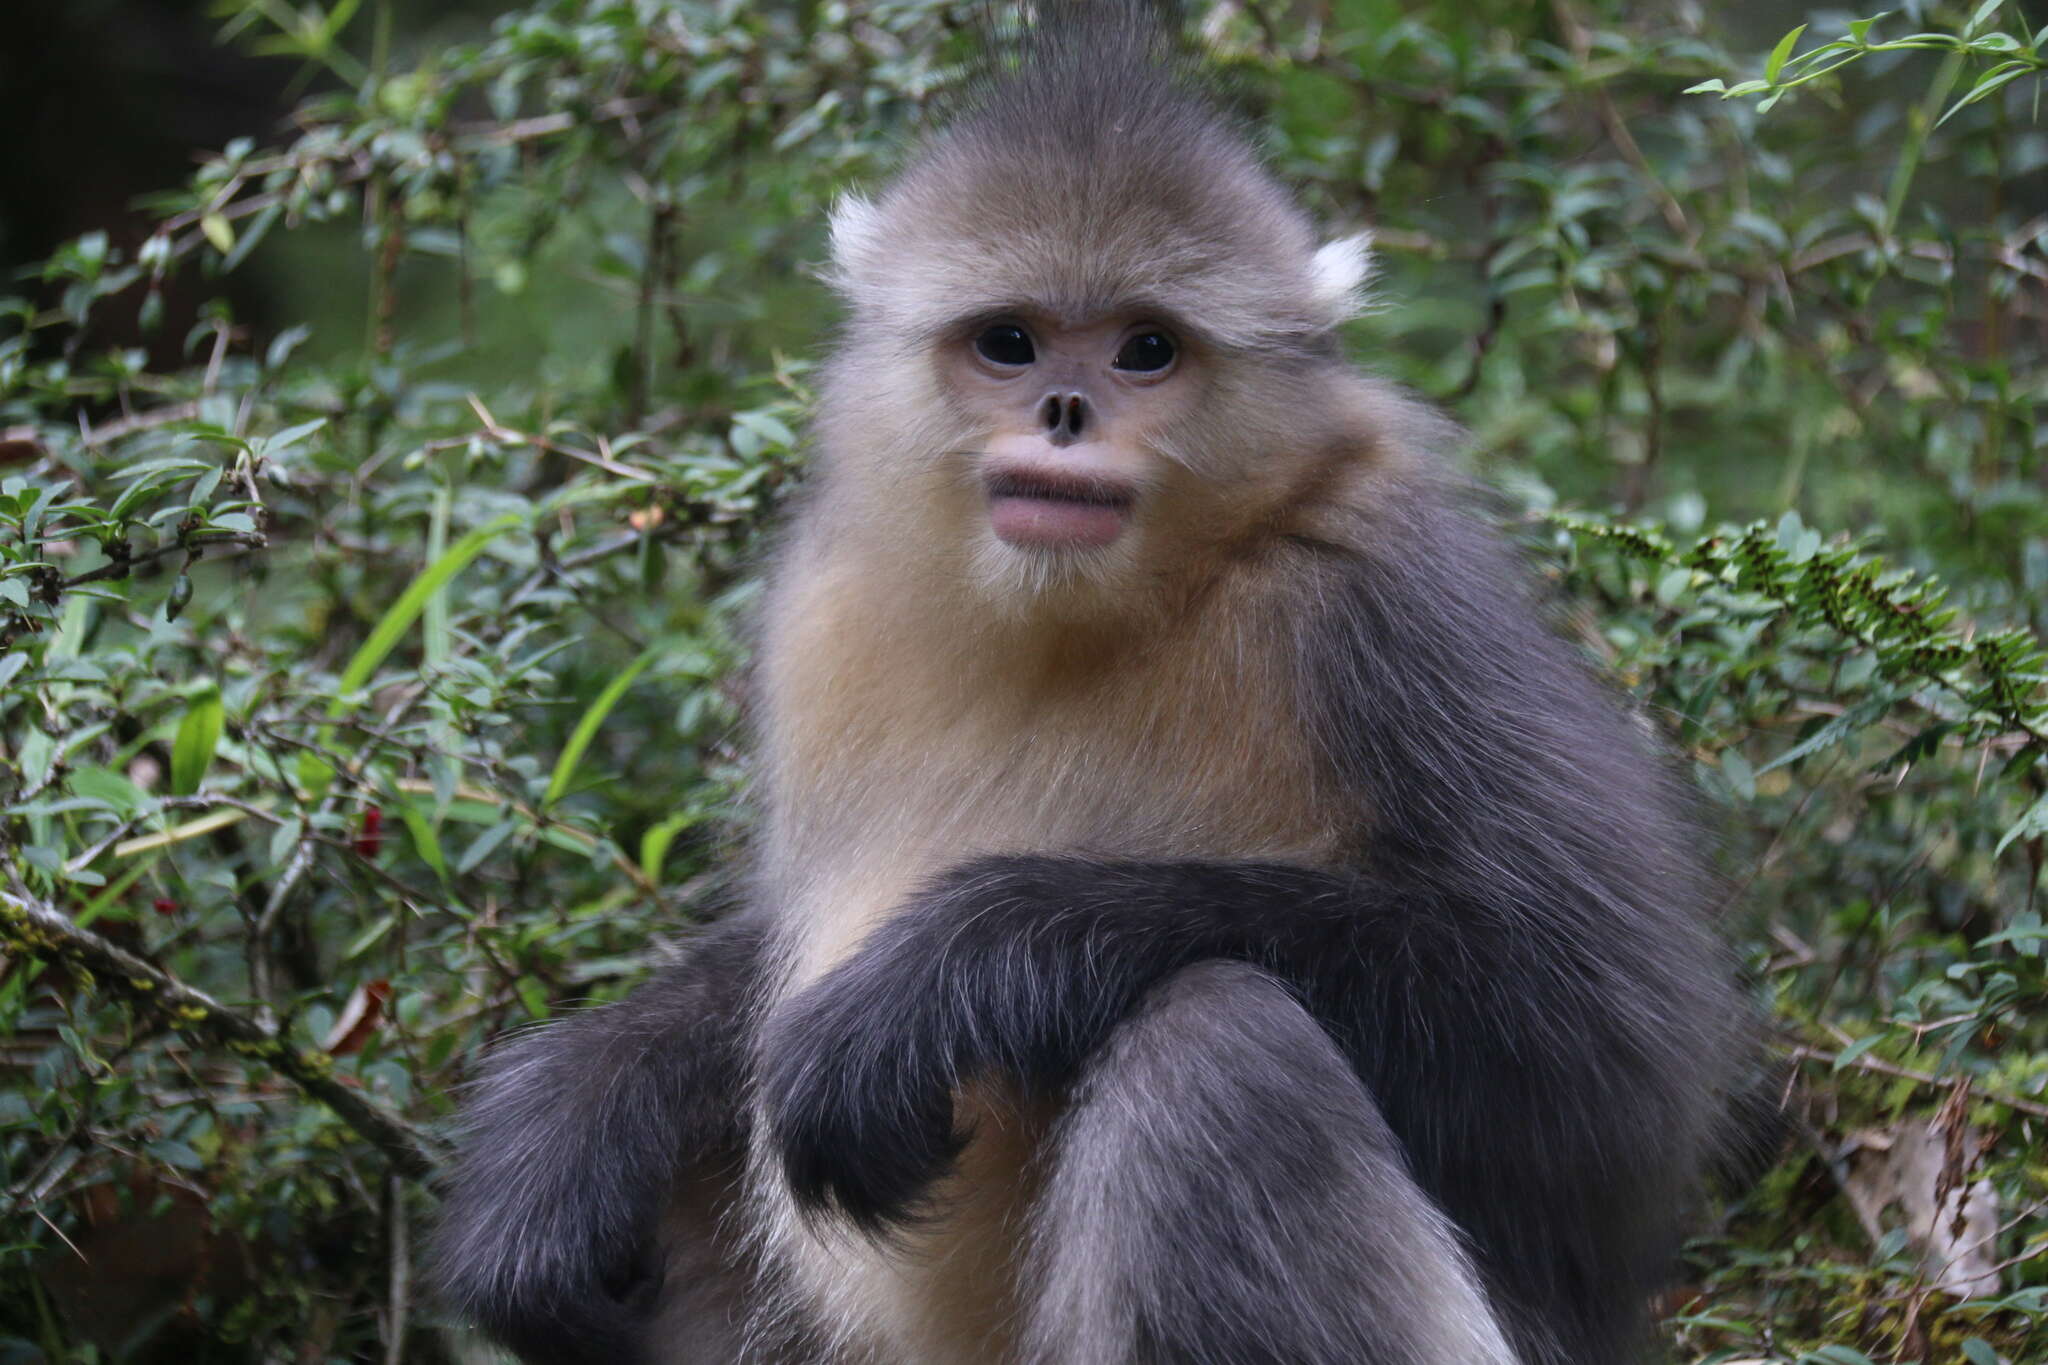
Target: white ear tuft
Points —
{"points": [[1342, 269], [856, 229]]}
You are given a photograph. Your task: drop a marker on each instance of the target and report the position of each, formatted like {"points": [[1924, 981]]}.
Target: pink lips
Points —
{"points": [[1039, 509]]}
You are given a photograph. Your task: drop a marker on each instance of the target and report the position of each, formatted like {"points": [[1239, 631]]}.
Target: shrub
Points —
{"points": [[368, 685]]}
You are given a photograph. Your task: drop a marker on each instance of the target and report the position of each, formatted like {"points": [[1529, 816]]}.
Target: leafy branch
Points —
{"points": [[2009, 57], [1993, 681], [42, 931]]}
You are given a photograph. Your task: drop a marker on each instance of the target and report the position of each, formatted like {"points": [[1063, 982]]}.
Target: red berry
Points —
{"points": [[370, 841]]}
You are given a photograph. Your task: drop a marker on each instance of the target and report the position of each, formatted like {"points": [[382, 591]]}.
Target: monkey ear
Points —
{"points": [[1342, 269], [856, 231]]}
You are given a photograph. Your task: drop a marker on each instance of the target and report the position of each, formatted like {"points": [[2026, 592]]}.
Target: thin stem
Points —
{"points": [[1920, 123]]}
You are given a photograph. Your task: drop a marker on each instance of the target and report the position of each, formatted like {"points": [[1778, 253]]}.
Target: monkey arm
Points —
{"points": [[571, 1142], [1021, 966]]}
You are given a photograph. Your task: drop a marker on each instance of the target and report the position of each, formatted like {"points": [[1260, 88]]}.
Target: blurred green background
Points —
{"points": [[391, 397]]}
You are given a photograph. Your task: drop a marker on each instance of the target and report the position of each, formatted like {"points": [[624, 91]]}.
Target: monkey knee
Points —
{"points": [[1213, 994], [1224, 1188], [1229, 1036]]}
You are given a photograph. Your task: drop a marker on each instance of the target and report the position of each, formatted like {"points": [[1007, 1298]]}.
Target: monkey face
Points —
{"points": [[1074, 416], [1086, 356]]}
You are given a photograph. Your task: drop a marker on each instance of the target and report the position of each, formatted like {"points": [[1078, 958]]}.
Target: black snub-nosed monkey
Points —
{"points": [[1199, 912]]}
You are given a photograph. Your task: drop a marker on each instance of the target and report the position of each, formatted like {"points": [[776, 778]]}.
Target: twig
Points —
{"points": [[60, 1234], [549, 568], [194, 543], [1866, 1062], [1617, 127], [261, 975], [141, 421], [498, 431], [46, 933], [400, 1294]]}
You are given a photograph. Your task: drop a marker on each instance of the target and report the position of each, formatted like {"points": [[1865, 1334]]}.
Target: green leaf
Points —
{"points": [[284, 841], [106, 899], [270, 447], [131, 495], [533, 995], [768, 425], [313, 773], [2032, 825], [174, 1153], [1984, 12], [1848, 1055], [425, 841], [1978, 1352], [654, 843], [1713, 87], [1866, 712], [587, 726], [369, 938], [484, 846], [251, 238], [32, 520], [1990, 83], [1782, 53], [219, 232], [123, 797], [198, 737]]}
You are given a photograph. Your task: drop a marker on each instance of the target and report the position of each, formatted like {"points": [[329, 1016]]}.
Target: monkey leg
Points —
{"points": [[1223, 1191], [574, 1139]]}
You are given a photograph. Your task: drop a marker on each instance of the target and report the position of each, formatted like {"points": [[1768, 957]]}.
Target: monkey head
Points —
{"points": [[1088, 340]]}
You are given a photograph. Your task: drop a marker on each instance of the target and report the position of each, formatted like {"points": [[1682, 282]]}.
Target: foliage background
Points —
{"points": [[376, 506]]}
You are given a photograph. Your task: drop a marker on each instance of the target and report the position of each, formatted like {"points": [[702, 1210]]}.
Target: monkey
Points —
{"points": [[1199, 911]]}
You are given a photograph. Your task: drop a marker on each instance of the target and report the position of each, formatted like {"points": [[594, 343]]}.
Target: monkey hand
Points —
{"points": [[1009, 966], [858, 1095]]}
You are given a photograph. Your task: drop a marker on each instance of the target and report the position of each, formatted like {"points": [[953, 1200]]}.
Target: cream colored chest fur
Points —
{"points": [[914, 734]]}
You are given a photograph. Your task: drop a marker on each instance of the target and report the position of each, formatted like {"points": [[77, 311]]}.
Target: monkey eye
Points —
{"points": [[1146, 353], [1005, 344]]}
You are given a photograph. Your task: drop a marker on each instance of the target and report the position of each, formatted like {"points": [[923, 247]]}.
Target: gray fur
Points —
{"points": [[1222, 1116]]}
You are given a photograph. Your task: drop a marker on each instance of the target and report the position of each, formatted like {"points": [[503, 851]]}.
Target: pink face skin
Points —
{"points": [[1069, 409]]}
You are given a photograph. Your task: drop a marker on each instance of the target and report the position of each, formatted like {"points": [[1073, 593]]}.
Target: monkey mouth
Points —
{"points": [[1056, 509]]}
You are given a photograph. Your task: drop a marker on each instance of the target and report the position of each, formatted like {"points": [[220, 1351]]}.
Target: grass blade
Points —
{"points": [[587, 726], [400, 615]]}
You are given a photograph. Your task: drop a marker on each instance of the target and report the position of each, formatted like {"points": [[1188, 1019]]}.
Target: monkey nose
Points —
{"points": [[1063, 415]]}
